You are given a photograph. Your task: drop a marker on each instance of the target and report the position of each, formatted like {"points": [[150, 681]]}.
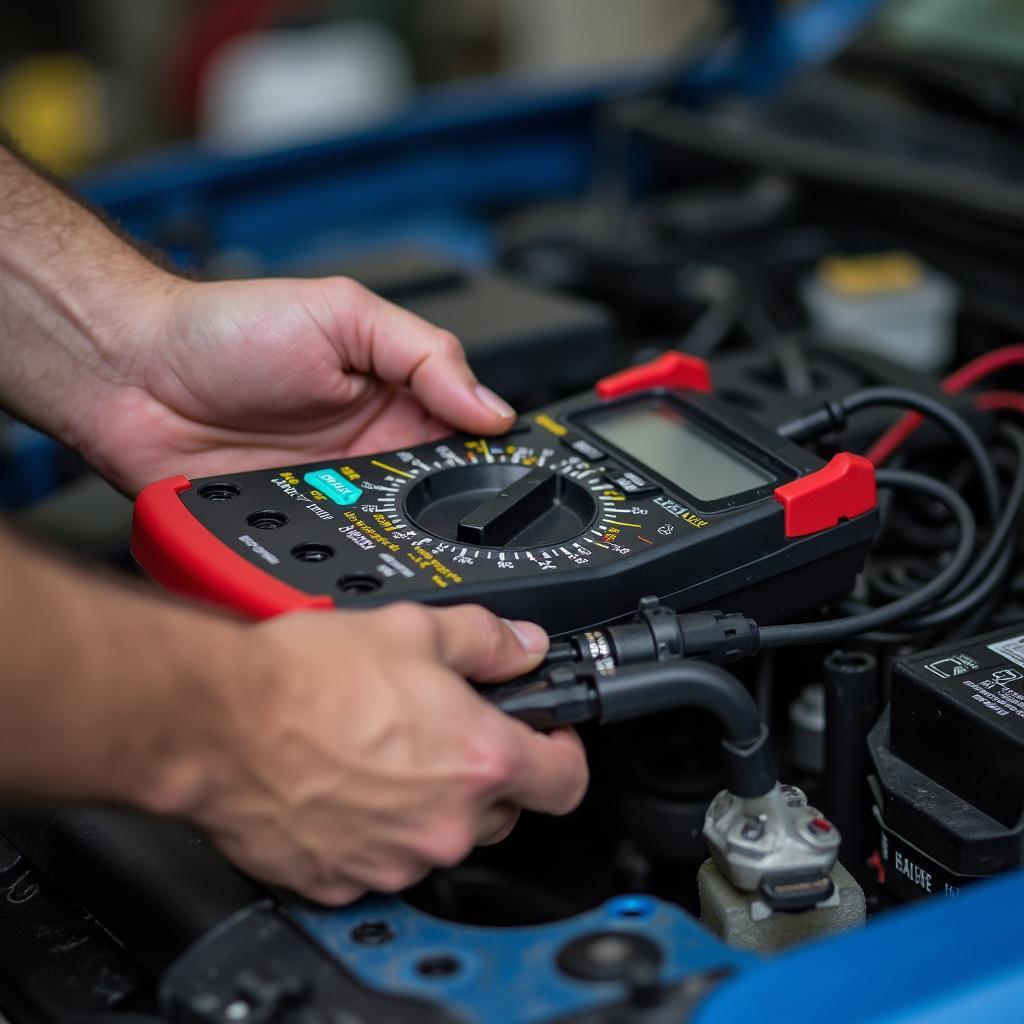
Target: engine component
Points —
{"points": [[775, 845], [739, 917], [851, 709], [947, 753], [885, 303], [807, 729], [627, 955], [69, 962], [773, 879]]}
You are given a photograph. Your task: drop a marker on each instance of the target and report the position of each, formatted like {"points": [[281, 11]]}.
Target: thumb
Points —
{"points": [[379, 338]]}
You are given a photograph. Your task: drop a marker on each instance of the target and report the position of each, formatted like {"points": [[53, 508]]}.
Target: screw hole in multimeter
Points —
{"points": [[358, 584], [312, 552], [219, 491], [268, 519]]}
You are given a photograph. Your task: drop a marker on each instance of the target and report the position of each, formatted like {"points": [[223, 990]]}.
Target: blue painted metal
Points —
{"points": [[510, 975], [775, 46], [483, 152], [464, 149], [935, 963]]}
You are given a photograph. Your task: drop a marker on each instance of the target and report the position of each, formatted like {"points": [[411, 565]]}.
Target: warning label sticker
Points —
{"points": [[999, 690], [1011, 649]]}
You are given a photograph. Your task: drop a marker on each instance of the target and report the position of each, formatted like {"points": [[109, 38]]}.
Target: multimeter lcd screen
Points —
{"points": [[664, 438]]}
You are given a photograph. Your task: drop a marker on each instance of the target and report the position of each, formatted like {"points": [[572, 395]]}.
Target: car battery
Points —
{"points": [[948, 766]]}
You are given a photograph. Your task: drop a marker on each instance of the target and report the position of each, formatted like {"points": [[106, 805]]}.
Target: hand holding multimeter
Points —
{"points": [[644, 496], [646, 485], [194, 715]]}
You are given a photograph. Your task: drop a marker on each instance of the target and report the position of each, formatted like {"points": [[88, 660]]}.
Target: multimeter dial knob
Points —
{"points": [[501, 505]]}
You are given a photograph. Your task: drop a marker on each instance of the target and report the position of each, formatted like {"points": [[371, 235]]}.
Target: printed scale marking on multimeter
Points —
{"points": [[646, 485]]}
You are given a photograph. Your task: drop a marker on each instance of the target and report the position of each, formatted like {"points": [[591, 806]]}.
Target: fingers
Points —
{"points": [[482, 647], [397, 872], [496, 822], [540, 772], [472, 641], [454, 777], [401, 348], [493, 825], [550, 774]]}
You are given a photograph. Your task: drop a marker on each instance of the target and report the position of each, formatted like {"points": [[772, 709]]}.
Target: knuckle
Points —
{"points": [[349, 291], [447, 845], [489, 765], [448, 344], [409, 621]]}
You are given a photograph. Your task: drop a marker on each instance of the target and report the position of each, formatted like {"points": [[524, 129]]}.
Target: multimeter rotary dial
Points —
{"points": [[501, 505]]}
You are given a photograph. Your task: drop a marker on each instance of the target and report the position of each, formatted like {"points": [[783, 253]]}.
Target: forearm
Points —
{"points": [[70, 292], [107, 692]]}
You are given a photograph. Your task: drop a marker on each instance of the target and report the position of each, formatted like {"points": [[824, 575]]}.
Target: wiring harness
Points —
{"points": [[613, 673]]}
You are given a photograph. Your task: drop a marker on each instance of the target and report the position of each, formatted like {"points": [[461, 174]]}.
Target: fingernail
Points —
{"points": [[493, 402], [530, 635]]}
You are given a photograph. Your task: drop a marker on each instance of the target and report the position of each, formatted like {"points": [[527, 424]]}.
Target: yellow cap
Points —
{"points": [[53, 106], [871, 274]]}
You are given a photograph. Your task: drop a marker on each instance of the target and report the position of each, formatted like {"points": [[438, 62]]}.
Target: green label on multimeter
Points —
{"points": [[336, 487]]}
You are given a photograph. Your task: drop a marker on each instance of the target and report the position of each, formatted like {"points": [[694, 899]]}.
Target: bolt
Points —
{"points": [[372, 933], [438, 966]]}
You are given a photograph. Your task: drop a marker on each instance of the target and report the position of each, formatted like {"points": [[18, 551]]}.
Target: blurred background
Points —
{"points": [[817, 195], [85, 82], [570, 186]]}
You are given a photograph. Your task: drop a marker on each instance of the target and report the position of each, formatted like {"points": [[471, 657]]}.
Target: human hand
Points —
{"points": [[355, 756], [237, 375]]}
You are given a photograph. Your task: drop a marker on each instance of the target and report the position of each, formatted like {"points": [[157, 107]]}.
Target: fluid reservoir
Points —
{"points": [[888, 304]]}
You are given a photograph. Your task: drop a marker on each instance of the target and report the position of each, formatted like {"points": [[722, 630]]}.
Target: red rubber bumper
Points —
{"points": [[180, 554]]}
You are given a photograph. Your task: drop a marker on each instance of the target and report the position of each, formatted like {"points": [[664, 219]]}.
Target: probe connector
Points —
{"points": [[657, 633]]}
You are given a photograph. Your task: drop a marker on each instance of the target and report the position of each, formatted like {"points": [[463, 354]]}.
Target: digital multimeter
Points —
{"points": [[645, 485]]}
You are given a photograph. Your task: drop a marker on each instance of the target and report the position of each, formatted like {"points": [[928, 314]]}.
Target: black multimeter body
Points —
{"points": [[568, 518]]}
